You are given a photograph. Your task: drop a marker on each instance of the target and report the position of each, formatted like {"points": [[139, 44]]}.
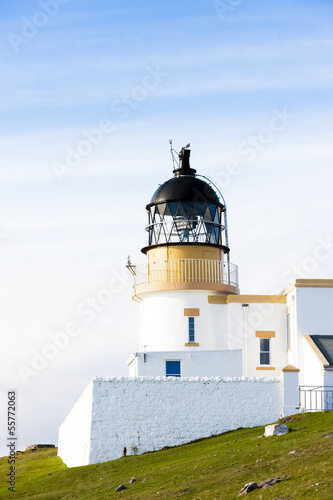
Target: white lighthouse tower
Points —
{"points": [[210, 359], [187, 264]]}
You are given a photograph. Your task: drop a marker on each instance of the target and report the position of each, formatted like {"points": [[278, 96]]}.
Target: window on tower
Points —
{"points": [[172, 368], [191, 335], [264, 351]]}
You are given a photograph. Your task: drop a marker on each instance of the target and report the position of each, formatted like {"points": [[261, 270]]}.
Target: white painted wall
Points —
{"points": [[293, 352], [227, 363], [315, 311], [313, 373], [291, 393], [145, 414], [245, 321], [314, 315], [75, 433], [219, 327], [328, 378], [165, 328]]}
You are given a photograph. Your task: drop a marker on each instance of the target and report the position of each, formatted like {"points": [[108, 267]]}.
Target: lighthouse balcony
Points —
{"points": [[186, 274]]}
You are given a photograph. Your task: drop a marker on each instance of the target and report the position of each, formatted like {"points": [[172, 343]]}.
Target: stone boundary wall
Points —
{"points": [[74, 434], [145, 414]]}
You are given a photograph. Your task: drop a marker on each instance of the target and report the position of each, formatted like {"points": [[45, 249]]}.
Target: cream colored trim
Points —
{"points": [[191, 344], [288, 309], [265, 368], [290, 368], [158, 287], [308, 283], [317, 351], [247, 299], [263, 299], [191, 312], [265, 335], [217, 299]]}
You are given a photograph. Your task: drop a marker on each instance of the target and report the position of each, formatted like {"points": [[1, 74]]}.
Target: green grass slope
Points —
{"points": [[213, 468]]}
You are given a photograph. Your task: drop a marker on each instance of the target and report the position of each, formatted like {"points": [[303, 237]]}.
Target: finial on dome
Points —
{"points": [[184, 163]]}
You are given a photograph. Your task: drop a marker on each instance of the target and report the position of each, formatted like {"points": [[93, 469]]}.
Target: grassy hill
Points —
{"points": [[213, 468]]}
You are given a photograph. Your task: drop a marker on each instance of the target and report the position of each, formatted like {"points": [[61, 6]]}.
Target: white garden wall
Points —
{"points": [[75, 432], [145, 414]]}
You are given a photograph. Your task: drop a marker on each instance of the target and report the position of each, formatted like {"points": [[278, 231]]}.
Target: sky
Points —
{"points": [[91, 93]]}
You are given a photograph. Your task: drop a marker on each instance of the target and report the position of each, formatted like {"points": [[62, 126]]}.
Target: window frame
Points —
{"points": [[191, 330], [264, 352]]}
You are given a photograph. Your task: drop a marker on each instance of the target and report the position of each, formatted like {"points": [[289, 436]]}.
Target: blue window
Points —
{"points": [[191, 329], [172, 368]]}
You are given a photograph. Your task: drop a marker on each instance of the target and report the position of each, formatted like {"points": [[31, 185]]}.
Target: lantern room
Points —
{"points": [[186, 210], [187, 236]]}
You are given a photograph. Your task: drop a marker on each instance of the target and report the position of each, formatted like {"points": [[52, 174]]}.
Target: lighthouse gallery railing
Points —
{"points": [[186, 271]]}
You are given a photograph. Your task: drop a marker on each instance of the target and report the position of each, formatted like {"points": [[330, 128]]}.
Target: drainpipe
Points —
{"points": [[245, 309]]}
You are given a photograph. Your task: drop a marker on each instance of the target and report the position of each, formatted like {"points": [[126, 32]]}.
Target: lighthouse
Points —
{"points": [[188, 262], [210, 359]]}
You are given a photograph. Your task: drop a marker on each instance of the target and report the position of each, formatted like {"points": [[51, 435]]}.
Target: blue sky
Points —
{"points": [[151, 71]]}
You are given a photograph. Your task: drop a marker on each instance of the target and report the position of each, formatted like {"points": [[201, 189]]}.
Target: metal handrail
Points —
{"points": [[316, 398], [186, 271]]}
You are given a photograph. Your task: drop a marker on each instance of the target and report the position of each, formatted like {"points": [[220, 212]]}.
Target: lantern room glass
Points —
{"points": [[185, 222]]}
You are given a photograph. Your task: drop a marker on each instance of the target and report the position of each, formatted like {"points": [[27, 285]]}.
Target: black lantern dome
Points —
{"points": [[185, 210]]}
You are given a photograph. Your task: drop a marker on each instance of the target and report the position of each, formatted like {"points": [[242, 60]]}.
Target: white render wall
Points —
{"points": [[314, 311], [165, 328], [245, 321], [314, 316], [147, 414], [313, 372], [75, 433], [227, 363], [328, 378]]}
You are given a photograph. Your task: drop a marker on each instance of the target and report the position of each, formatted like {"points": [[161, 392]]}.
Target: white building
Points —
{"points": [[197, 330]]}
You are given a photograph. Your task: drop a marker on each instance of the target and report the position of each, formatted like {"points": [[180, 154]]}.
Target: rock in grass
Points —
{"points": [[276, 430], [132, 480], [247, 488], [268, 483], [121, 488], [34, 447]]}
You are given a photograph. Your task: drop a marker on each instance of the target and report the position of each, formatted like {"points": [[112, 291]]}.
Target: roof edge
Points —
{"points": [[308, 283], [317, 351]]}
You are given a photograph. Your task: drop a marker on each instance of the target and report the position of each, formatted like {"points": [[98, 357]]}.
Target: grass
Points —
{"points": [[213, 468]]}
